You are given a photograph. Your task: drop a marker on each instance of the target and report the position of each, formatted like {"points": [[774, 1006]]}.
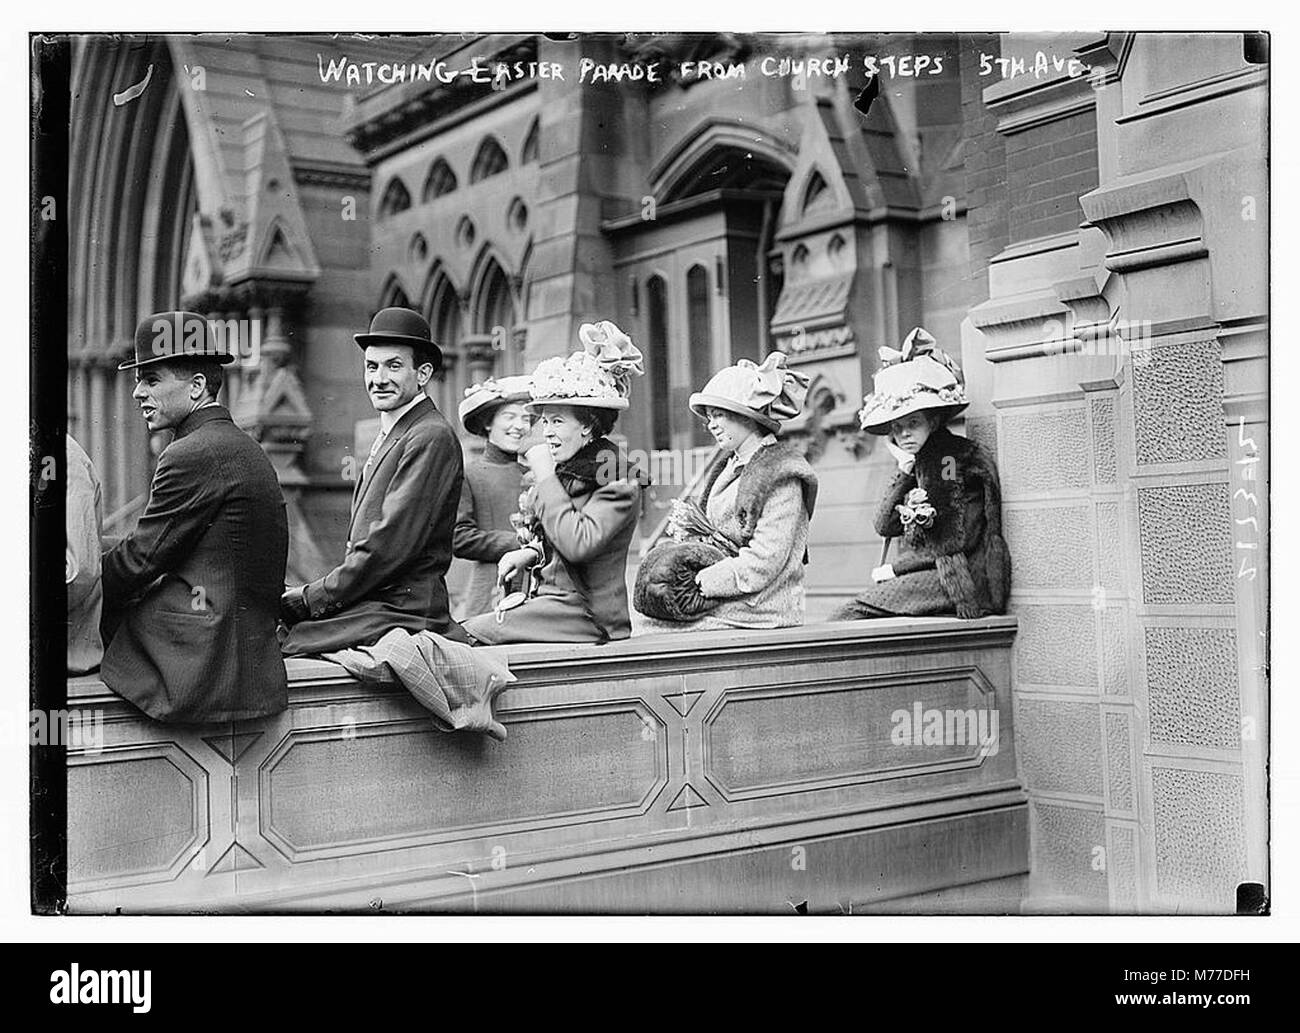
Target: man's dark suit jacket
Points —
{"points": [[399, 544], [197, 585]]}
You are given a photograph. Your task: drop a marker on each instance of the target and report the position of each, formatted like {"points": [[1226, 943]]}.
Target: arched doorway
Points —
{"points": [[698, 278]]}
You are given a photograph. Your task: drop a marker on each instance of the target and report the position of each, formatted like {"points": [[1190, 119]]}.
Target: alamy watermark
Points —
{"points": [[930, 726], [241, 338], [74, 728]]}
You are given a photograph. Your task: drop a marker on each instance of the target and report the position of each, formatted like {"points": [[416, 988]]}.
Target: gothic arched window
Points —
{"points": [[489, 160], [396, 198], [441, 181]]}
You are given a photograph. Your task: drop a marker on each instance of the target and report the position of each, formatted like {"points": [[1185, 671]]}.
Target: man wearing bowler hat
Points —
{"points": [[191, 597], [393, 573]]}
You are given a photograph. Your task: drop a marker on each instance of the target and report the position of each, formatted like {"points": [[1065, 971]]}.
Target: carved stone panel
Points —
{"points": [[328, 790], [794, 738], [114, 795]]}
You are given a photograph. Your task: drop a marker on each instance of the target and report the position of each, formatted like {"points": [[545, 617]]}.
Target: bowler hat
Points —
{"points": [[402, 326], [174, 335]]}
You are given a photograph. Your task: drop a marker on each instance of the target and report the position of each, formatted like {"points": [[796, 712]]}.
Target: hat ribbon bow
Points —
{"points": [[775, 389], [916, 344], [919, 342], [614, 350]]}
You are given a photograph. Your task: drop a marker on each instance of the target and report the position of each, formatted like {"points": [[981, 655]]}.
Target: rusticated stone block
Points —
{"points": [[1110, 547], [1102, 411], [1045, 451], [1114, 631], [1186, 544], [1051, 546], [1067, 843], [1199, 838], [1178, 404], [1192, 686], [1060, 746], [1121, 863], [1119, 762], [1057, 645]]}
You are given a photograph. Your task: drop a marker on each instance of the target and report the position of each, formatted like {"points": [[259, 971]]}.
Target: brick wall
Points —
{"points": [[985, 154], [1047, 168]]}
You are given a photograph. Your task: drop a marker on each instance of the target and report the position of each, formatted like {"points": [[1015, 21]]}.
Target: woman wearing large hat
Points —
{"points": [[737, 554], [579, 510], [945, 502], [493, 410]]}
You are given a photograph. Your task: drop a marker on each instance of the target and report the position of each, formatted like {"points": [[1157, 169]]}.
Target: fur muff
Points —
{"points": [[665, 586]]}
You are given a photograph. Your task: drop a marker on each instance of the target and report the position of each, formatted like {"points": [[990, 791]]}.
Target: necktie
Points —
{"points": [[374, 451]]}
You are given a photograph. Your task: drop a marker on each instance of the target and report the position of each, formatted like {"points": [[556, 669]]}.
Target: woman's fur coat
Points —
{"points": [[959, 564]]}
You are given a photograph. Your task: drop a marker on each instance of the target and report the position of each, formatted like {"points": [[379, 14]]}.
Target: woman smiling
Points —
{"points": [[493, 410], [576, 521]]}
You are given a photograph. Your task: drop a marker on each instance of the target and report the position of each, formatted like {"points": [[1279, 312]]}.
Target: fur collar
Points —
{"points": [[766, 469]]}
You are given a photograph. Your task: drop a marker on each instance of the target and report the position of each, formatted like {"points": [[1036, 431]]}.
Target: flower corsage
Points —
{"points": [[916, 512]]}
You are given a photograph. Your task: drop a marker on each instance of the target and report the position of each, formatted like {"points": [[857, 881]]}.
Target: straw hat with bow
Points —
{"points": [[768, 393], [917, 377]]}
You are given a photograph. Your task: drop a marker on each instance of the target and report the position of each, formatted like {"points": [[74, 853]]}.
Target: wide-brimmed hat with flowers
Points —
{"points": [[768, 394], [598, 376], [915, 378], [481, 400]]}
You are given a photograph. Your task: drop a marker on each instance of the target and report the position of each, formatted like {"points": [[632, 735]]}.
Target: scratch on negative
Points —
{"points": [[131, 92], [473, 886]]}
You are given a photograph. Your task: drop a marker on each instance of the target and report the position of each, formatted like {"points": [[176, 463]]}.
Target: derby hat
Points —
{"points": [[402, 326], [173, 335]]}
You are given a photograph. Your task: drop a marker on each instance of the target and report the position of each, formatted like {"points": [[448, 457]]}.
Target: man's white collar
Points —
{"points": [[387, 420]]}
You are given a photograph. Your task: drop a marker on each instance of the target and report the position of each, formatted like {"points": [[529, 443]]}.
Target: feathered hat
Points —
{"points": [[917, 377], [599, 375]]}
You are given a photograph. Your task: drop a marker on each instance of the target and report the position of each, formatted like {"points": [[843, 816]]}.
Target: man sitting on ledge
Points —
{"points": [[190, 598], [394, 571]]}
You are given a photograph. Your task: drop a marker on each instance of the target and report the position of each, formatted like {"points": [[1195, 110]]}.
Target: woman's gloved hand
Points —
{"points": [[514, 563]]}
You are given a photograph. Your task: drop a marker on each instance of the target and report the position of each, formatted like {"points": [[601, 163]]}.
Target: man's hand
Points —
{"points": [[906, 460], [293, 606], [514, 563], [885, 572]]}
